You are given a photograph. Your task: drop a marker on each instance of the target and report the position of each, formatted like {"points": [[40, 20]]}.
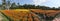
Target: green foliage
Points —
{"points": [[26, 6], [29, 6]]}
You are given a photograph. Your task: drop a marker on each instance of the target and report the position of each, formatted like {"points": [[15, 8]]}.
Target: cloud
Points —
{"points": [[38, 2]]}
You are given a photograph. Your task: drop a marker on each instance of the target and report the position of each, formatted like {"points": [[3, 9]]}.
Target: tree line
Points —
{"points": [[29, 6]]}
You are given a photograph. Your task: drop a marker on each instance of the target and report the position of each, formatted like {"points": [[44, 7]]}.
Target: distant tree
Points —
{"points": [[1, 7], [25, 6], [43, 7], [18, 4], [8, 5], [13, 6], [4, 4], [58, 8], [38, 6], [31, 6], [53, 8]]}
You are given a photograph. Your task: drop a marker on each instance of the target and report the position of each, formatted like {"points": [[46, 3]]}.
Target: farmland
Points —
{"points": [[26, 15]]}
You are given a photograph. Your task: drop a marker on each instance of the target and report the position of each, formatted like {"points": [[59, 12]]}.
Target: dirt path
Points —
{"points": [[1, 18]]}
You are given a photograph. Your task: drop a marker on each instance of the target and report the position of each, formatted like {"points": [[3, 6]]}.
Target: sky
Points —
{"points": [[49, 3]]}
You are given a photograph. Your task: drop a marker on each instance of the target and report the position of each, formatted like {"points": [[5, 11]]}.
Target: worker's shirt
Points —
{"points": [[56, 19]]}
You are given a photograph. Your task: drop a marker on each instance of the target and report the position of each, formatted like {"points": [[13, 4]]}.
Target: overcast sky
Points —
{"points": [[50, 3]]}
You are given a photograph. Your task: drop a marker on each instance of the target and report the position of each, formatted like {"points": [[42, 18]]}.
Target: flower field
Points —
{"points": [[26, 15]]}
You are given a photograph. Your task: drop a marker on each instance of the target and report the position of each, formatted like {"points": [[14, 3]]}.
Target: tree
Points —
{"points": [[4, 4], [53, 8], [13, 6], [8, 5], [25, 6]]}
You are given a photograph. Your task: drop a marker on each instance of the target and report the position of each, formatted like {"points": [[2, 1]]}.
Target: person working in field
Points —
{"points": [[49, 16], [57, 18], [52, 17]]}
